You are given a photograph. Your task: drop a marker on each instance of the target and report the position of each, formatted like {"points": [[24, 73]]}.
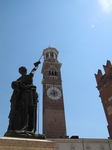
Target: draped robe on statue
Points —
{"points": [[23, 105], [23, 113]]}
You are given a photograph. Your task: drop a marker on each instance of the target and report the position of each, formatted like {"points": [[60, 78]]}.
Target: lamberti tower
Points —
{"points": [[53, 106]]}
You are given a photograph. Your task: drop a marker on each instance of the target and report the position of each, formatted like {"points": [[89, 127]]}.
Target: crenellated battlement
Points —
{"points": [[103, 79], [107, 67], [104, 85], [98, 75]]}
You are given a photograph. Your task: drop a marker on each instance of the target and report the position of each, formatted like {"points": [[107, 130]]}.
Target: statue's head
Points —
{"points": [[22, 70]]}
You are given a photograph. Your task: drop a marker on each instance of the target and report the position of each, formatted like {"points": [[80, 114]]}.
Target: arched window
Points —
{"points": [[52, 73], [55, 56], [51, 55], [55, 73], [47, 55]]}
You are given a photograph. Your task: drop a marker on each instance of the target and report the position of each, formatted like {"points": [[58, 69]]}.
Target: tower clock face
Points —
{"points": [[54, 93]]}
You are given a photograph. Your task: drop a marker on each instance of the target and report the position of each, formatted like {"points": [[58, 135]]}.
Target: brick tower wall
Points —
{"points": [[104, 85]]}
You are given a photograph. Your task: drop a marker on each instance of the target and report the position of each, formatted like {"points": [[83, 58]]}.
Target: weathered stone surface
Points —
{"points": [[25, 144], [83, 144]]}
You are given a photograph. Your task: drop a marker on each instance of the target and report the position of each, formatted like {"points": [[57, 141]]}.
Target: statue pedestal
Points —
{"points": [[25, 144]]}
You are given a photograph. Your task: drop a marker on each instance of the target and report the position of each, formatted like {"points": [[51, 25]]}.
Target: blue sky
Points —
{"points": [[81, 31]]}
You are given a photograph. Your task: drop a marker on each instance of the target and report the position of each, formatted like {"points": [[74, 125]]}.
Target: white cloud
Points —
{"points": [[93, 25], [106, 5]]}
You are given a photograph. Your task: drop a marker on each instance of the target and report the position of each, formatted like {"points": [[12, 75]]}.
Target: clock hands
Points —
{"points": [[54, 93]]}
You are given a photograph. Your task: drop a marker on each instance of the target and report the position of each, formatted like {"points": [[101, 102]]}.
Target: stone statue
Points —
{"points": [[23, 113]]}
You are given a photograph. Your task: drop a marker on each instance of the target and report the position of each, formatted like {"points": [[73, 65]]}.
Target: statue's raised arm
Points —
{"points": [[35, 68]]}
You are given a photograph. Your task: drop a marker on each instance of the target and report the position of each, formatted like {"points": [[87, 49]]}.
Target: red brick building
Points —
{"points": [[53, 106], [104, 85]]}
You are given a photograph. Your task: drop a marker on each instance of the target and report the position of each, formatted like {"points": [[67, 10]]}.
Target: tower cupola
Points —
{"points": [[50, 54]]}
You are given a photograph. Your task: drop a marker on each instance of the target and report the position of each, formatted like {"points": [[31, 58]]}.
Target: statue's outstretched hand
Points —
{"points": [[37, 63]]}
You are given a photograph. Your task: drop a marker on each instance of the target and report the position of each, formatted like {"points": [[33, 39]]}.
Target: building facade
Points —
{"points": [[83, 144], [104, 85]]}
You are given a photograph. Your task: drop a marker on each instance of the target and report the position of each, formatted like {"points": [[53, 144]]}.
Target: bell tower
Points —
{"points": [[53, 106], [104, 85]]}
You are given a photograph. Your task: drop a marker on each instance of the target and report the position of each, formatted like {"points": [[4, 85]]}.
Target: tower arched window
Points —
{"points": [[47, 55], [55, 56], [51, 55], [52, 73], [55, 73]]}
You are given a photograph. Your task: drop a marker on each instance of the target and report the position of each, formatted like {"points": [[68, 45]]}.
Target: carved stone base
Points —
{"points": [[25, 144], [24, 134]]}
